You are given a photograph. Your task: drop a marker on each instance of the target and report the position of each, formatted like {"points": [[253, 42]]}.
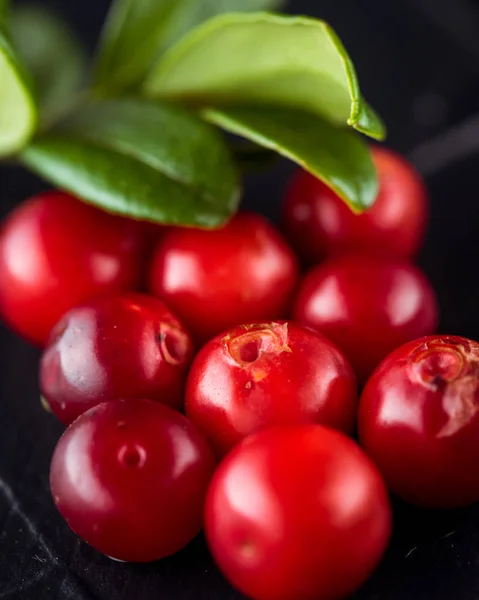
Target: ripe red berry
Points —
{"points": [[319, 224], [125, 346], [297, 512], [130, 478], [419, 421], [367, 306], [56, 252], [267, 374], [215, 280]]}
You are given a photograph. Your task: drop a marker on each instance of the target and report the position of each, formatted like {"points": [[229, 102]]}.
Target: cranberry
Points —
{"points": [[265, 374], [318, 223], [56, 252], [124, 346], [367, 306], [297, 513], [217, 279], [419, 420], [130, 478]]}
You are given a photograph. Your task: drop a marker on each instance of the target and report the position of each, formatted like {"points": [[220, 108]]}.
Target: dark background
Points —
{"points": [[418, 62]]}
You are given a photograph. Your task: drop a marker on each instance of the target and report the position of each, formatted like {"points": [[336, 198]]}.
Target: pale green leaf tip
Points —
{"points": [[362, 118], [368, 122]]}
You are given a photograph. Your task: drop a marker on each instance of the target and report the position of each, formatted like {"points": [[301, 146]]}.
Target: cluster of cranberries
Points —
{"points": [[139, 323]]}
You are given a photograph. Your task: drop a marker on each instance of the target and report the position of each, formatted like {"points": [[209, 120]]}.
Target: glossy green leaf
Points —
{"points": [[138, 31], [269, 60], [141, 159], [337, 156], [195, 12], [53, 55], [18, 114]]}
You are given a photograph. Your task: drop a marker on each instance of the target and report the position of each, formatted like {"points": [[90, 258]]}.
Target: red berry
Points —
{"points": [[130, 478], [297, 513], [125, 346], [318, 223], [217, 279], [367, 306], [56, 252], [266, 374], [419, 420]]}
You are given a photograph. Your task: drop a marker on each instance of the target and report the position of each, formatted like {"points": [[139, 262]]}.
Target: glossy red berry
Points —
{"points": [[266, 374], [122, 346], [367, 306], [130, 478], [319, 224], [217, 279], [297, 513], [419, 421], [56, 252]]}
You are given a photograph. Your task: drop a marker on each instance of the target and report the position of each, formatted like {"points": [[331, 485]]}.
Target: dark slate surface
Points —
{"points": [[419, 65]]}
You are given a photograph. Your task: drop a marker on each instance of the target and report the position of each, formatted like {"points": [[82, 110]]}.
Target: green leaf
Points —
{"points": [[53, 55], [141, 159], [138, 31], [18, 113], [134, 34], [337, 156], [269, 60], [4, 10], [195, 12]]}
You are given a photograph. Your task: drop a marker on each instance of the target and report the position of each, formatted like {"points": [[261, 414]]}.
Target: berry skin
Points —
{"points": [[419, 421], [130, 478], [57, 252], [297, 512], [266, 374], [125, 346], [319, 224], [215, 280], [367, 306]]}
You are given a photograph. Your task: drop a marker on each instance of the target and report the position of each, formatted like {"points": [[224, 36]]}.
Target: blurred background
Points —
{"points": [[418, 64]]}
